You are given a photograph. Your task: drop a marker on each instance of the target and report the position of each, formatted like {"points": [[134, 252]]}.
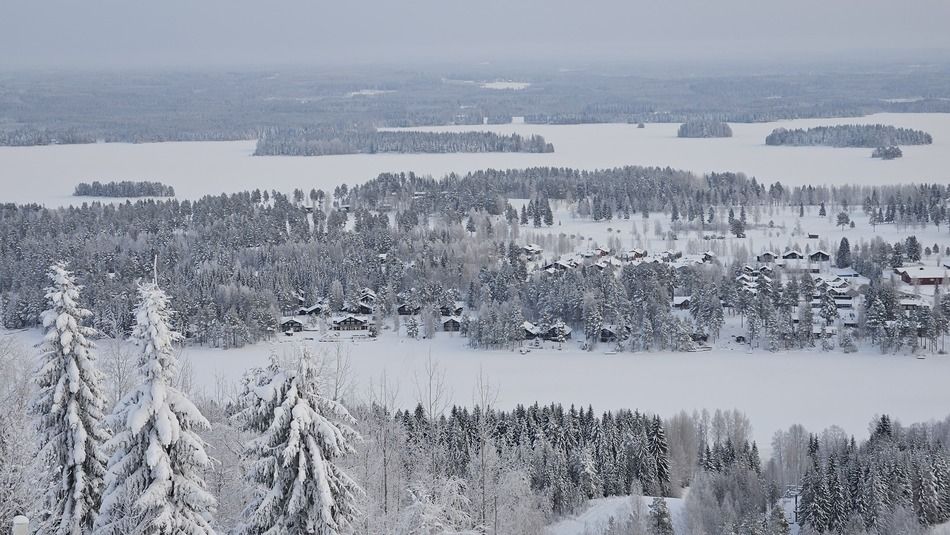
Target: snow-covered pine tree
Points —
{"points": [[69, 408], [154, 482], [659, 521], [301, 489], [660, 450]]}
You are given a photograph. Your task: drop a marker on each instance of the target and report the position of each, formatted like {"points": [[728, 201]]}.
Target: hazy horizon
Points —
{"points": [[231, 33]]}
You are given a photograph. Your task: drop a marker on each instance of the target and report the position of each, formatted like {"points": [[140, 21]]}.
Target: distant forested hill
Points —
{"points": [[849, 135], [325, 141]]}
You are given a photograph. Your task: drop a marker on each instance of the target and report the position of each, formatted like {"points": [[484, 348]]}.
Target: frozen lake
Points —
{"points": [[775, 390], [49, 174]]}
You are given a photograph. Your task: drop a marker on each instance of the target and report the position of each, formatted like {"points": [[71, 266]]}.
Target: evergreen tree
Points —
{"points": [[301, 489], [843, 258], [69, 409], [659, 520], [154, 482], [828, 310], [660, 451]]}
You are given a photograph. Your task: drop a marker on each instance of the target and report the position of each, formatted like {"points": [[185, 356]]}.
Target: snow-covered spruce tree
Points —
{"points": [[154, 483], [301, 489], [68, 409]]}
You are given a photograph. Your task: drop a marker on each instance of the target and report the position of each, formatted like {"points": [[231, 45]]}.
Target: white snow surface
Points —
{"points": [[195, 169], [775, 390], [598, 512], [502, 85]]}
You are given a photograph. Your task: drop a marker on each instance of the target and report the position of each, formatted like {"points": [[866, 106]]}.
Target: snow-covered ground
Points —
{"points": [[516, 86], [49, 174], [775, 390], [598, 513]]}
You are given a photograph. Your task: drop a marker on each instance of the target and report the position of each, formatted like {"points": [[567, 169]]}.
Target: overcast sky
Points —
{"points": [[168, 33]]}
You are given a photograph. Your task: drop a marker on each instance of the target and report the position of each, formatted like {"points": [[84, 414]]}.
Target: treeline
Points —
{"points": [[326, 141], [704, 128], [125, 188], [849, 135], [26, 137]]}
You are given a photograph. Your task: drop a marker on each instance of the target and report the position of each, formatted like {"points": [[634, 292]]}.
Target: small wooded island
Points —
{"points": [[887, 153], [704, 128], [323, 141], [849, 135]]}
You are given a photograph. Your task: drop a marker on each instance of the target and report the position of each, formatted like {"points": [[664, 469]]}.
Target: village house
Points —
{"points": [[792, 255], [608, 333], [406, 309], [531, 331], [360, 307], [454, 309], [349, 323], [819, 256], [767, 257], [451, 324], [291, 325], [922, 275], [312, 310], [559, 331], [532, 251], [633, 254]]}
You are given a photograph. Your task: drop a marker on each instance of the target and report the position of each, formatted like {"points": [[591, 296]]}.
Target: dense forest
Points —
{"points": [[849, 135], [235, 263], [368, 140], [125, 188], [706, 128], [227, 105]]}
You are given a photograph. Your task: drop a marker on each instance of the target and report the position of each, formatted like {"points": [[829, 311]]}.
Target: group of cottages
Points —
{"points": [[352, 316], [603, 259], [844, 284], [795, 260], [556, 332], [358, 315]]}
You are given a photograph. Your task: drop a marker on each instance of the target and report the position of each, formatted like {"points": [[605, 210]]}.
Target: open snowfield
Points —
{"points": [[49, 174], [599, 511]]}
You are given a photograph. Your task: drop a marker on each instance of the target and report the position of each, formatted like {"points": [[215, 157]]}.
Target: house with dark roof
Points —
{"points": [[451, 324], [819, 256], [291, 325]]}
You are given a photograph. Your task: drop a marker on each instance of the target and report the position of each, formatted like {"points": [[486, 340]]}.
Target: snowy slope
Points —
{"points": [[599, 512]]}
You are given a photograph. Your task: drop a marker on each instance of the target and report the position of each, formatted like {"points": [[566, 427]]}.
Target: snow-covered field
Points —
{"points": [[598, 513], [49, 174], [502, 85]]}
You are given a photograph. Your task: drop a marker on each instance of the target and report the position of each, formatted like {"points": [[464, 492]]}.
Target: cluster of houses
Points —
{"points": [[603, 259], [795, 260], [556, 332], [358, 315]]}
